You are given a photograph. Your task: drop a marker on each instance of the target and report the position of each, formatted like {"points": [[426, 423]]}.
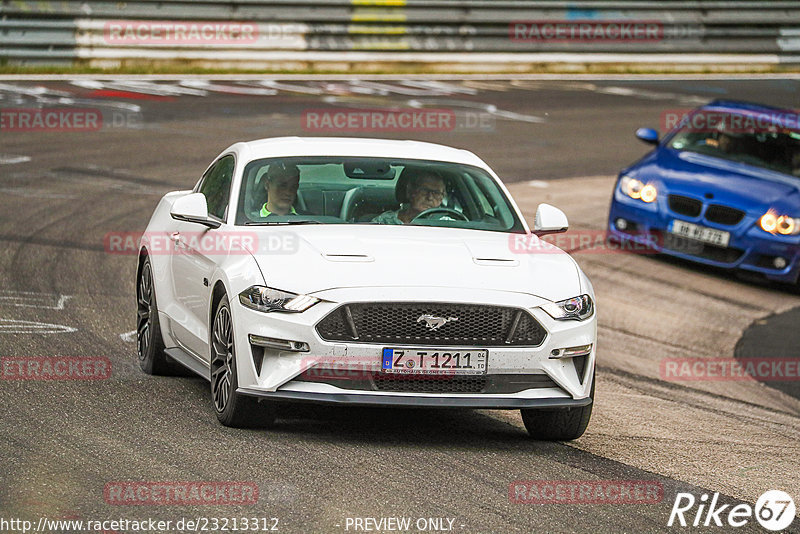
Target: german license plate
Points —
{"points": [[700, 233], [434, 361]]}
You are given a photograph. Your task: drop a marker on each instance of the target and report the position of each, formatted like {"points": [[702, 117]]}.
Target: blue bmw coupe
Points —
{"points": [[722, 188]]}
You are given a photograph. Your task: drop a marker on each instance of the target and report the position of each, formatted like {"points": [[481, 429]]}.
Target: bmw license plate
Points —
{"points": [[434, 361], [700, 233]]}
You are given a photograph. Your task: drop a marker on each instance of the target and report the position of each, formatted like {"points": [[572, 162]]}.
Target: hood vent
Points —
{"points": [[496, 262], [349, 257]]}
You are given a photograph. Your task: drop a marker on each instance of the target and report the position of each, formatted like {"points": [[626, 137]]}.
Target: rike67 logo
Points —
{"points": [[774, 510]]}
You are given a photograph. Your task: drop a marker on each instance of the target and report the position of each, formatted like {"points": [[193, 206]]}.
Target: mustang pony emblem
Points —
{"points": [[433, 322]]}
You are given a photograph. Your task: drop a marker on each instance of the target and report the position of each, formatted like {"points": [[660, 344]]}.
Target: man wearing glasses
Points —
{"points": [[426, 190]]}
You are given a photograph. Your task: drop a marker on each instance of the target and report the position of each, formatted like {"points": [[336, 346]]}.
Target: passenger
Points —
{"points": [[425, 190], [281, 182]]}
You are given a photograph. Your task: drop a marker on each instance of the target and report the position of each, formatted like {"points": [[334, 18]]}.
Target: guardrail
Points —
{"points": [[345, 31]]}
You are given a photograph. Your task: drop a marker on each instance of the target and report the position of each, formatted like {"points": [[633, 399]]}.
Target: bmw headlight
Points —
{"points": [[578, 308], [266, 299], [779, 224], [637, 189]]}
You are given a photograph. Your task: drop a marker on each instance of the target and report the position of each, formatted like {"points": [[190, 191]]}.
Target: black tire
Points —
{"points": [[561, 424], [149, 343], [233, 409]]}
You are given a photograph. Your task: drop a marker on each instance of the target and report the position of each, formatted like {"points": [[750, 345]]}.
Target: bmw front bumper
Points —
{"points": [[749, 249]]}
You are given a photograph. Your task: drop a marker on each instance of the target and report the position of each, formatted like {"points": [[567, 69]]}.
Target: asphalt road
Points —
{"points": [[63, 294]]}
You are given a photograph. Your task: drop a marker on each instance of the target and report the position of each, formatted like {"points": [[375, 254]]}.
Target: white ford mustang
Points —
{"points": [[365, 272]]}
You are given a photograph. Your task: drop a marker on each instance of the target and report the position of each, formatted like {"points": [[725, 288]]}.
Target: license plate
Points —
{"points": [[700, 233], [434, 361]]}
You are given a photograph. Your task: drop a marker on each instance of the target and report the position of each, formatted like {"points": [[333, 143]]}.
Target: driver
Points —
{"points": [[724, 140], [281, 182], [426, 190]]}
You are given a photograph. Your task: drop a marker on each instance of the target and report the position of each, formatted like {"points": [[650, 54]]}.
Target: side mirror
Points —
{"points": [[648, 135], [193, 208], [549, 220]]}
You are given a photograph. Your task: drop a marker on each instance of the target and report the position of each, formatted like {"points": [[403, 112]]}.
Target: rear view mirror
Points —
{"points": [[368, 170], [193, 208], [549, 220]]}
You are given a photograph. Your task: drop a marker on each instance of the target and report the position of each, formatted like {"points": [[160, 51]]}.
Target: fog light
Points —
{"points": [[779, 262], [572, 352], [621, 224], [280, 344]]}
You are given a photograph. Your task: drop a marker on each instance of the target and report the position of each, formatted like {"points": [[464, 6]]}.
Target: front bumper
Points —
{"points": [[280, 374], [418, 401], [749, 249]]}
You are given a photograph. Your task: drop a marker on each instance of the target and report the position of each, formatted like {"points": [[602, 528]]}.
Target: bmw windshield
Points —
{"points": [[755, 139]]}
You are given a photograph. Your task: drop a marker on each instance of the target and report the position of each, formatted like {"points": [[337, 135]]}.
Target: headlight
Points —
{"points": [[637, 189], [266, 299], [649, 193], [579, 308], [779, 224]]}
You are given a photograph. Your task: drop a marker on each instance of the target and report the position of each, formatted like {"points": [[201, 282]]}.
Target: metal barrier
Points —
{"points": [[254, 32]]}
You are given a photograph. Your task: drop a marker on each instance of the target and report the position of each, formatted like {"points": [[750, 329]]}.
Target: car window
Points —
{"points": [[749, 139], [216, 186], [339, 190]]}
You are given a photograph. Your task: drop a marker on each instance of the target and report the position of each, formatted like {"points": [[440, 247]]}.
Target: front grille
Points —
{"points": [[724, 215], [690, 207], [403, 323], [431, 384], [706, 251]]}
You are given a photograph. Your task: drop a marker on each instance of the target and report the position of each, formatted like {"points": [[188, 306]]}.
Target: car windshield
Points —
{"points": [[344, 190], [755, 139]]}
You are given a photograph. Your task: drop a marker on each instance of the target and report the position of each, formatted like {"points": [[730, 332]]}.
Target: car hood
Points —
{"points": [[728, 181], [315, 258]]}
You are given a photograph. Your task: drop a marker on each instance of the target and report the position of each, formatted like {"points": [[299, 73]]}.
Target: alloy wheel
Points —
{"points": [[144, 312], [222, 359]]}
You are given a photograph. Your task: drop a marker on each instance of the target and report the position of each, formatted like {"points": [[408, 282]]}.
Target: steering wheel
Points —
{"points": [[426, 214]]}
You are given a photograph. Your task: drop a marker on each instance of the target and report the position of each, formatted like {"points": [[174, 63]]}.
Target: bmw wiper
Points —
{"points": [[270, 223]]}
